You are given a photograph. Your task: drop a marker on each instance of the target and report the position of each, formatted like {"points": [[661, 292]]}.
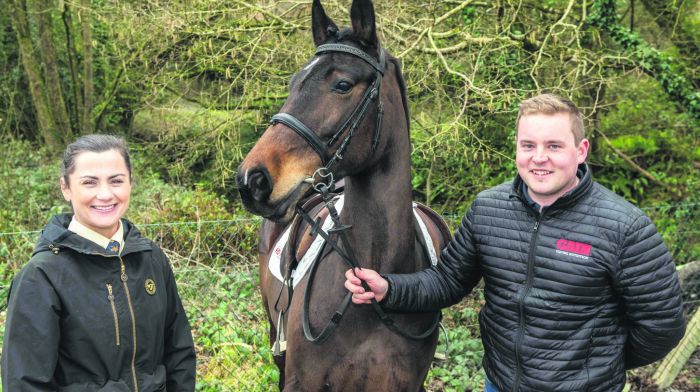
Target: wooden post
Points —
{"points": [[673, 363]]}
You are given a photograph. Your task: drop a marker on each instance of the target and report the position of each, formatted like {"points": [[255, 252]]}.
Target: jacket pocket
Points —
{"points": [[153, 382], [110, 297]]}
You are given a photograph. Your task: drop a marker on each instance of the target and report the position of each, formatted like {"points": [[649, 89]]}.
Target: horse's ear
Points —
{"points": [[362, 16], [322, 26]]}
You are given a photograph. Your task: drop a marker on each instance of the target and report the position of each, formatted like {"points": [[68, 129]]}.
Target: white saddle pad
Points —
{"points": [[274, 263]]}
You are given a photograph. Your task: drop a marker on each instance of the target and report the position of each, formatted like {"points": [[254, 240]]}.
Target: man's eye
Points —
{"points": [[343, 86]]}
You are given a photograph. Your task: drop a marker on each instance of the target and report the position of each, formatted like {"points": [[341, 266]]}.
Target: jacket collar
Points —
{"points": [[86, 232], [568, 199], [56, 236]]}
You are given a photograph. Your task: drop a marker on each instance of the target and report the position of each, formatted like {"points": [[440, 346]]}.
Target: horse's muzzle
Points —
{"points": [[254, 184], [255, 187]]}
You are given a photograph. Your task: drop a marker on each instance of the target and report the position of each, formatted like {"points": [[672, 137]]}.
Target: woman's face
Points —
{"points": [[98, 189]]}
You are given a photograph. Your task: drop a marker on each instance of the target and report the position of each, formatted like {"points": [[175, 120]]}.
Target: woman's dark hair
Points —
{"points": [[92, 143]]}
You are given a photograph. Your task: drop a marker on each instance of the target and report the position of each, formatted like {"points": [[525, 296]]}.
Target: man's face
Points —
{"points": [[547, 155]]}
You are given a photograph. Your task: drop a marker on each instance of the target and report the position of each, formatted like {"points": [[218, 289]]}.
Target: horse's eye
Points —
{"points": [[343, 86]]}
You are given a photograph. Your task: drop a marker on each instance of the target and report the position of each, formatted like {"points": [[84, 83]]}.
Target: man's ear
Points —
{"points": [[582, 151]]}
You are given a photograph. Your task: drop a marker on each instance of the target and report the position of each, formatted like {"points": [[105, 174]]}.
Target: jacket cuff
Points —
{"points": [[388, 289], [391, 300]]}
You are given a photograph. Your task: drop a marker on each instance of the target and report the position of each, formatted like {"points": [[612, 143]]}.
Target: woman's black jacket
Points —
{"points": [[82, 319], [573, 296]]}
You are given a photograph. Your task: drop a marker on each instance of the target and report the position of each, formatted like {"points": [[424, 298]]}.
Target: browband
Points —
{"points": [[380, 66]]}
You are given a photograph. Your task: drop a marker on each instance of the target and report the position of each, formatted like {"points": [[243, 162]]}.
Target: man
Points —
{"points": [[579, 286]]}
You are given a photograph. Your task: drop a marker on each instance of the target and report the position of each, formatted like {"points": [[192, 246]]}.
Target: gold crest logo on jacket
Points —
{"points": [[150, 286]]}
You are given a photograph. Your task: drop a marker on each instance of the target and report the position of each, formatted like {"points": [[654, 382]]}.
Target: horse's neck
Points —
{"points": [[378, 205]]}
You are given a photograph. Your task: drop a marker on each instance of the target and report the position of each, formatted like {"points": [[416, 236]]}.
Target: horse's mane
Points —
{"points": [[402, 88]]}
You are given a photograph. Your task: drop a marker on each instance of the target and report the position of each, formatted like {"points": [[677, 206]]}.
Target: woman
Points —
{"points": [[96, 308]]}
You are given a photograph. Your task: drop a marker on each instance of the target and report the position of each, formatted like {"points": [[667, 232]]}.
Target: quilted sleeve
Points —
{"points": [[648, 285], [454, 276]]}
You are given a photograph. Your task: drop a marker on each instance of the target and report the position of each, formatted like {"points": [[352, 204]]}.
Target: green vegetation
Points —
{"points": [[191, 85], [210, 244]]}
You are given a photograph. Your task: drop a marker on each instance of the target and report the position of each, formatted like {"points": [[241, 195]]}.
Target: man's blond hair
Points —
{"points": [[553, 104]]}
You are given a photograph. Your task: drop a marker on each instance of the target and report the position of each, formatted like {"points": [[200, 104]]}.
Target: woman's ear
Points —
{"points": [[65, 189]]}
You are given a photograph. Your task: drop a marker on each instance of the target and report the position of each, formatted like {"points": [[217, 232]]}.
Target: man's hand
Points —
{"points": [[376, 283]]}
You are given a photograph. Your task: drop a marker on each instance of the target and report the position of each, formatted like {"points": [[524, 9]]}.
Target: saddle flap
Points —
{"points": [[431, 225]]}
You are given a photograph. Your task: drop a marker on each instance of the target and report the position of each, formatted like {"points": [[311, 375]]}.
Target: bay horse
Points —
{"points": [[346, 116]]}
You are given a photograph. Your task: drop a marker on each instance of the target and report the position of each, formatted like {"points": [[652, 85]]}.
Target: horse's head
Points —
{"points": [[332, 119]]}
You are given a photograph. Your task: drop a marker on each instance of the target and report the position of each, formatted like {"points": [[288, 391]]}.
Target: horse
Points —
{"points": [[346, 117]]}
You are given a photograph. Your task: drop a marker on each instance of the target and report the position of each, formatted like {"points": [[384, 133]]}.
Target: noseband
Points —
{"points": [[328, 160]]}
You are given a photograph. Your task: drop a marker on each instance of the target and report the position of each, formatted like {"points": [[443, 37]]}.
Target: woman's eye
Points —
{"points": [[343, 86]]}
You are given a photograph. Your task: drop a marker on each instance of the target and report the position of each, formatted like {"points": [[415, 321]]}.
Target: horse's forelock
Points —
{"points": [[347, 35]]}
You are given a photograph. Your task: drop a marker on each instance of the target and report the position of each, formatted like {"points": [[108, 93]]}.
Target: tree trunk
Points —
{"points": [[77, 106], [52, 80], [652, 62], [32, 67], [88, 87]]}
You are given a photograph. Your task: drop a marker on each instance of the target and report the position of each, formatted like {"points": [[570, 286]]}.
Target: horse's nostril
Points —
{"points": [[260, 184]]}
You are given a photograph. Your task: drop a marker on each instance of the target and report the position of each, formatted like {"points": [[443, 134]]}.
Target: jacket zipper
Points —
{"points": [[124, 278], [110, 296], [521, 301]]}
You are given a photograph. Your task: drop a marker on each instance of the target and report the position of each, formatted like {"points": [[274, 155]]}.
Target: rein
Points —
{"points": [[326, 184]]}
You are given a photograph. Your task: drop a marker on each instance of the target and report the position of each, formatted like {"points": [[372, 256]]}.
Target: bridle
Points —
{"points": [[328, 160], [323, 183]]}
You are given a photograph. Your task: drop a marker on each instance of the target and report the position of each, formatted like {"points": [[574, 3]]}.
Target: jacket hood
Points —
{"points": [[568, 199], [56, 235]]}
